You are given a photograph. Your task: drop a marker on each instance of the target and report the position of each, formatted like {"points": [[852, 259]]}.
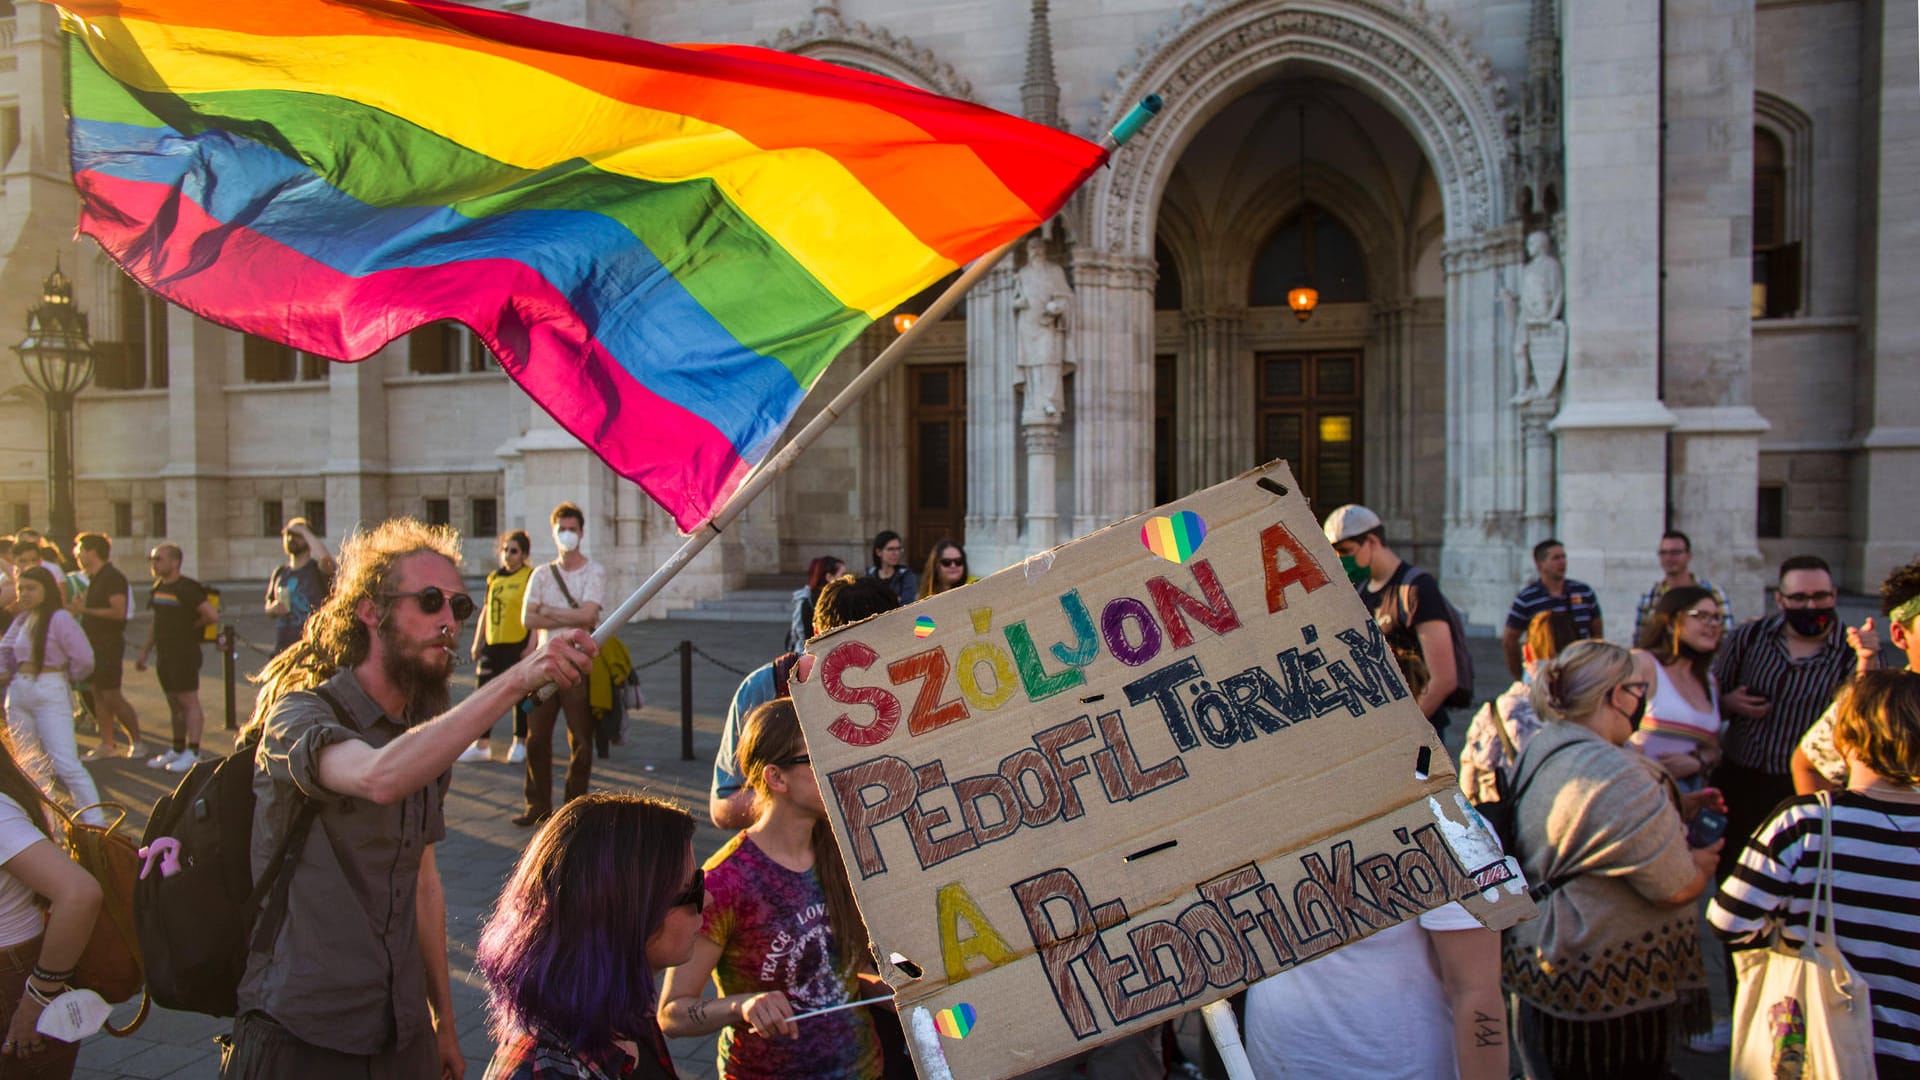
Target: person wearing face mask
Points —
{"points": [[566, 593], [299, 586], [1405, 600], [1818, 765], [1613, 963]]}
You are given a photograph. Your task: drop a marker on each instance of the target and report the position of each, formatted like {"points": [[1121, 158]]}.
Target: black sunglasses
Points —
{"points": [[953, 562], [511, 551], [694, 895], [797, 759], [431, 600]]}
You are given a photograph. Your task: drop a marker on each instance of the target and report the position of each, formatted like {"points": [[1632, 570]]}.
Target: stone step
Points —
{"points": [[743, 605]]}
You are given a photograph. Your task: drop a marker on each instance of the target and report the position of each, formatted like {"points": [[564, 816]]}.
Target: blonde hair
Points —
{"points": [[335, 638], [1878, 721], [1572, 685]]}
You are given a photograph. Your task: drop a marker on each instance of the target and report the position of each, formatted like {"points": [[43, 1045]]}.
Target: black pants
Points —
{"points": [[1625, 1046], [539, 789], [494, 662]]}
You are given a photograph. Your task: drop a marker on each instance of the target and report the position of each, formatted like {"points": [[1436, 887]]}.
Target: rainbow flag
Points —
{"points": [[665, 245]]}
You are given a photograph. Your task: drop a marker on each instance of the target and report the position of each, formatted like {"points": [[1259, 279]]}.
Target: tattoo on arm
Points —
{"points": [[1487, 1030]]}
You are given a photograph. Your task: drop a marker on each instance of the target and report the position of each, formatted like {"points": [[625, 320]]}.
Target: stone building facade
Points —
{"points": [[1711, 330]]}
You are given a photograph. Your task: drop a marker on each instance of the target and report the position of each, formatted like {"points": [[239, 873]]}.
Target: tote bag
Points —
{"points": [[1801, 1012]]}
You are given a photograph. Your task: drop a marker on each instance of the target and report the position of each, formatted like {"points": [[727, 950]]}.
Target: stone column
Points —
{"points": [[1713, 465], [993, 449], [1536, 415], [355, 471], [1042, 444], [1485, 465], [1611, 467], [39, 205], [1112, 406], [196, 472], [1389, 384], [1886, 471], [1216, 380]]}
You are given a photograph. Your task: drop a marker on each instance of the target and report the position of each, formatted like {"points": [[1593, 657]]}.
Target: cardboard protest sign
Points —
{"points": [[1132, 775]]}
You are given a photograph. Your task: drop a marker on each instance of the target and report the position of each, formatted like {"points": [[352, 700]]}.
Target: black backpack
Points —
{"points": [[197, 925], [1405, 607]]}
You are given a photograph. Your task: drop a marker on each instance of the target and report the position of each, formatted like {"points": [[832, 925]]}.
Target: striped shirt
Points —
{"points": [[1876, 902], [1798, 691], [1576, 599]]}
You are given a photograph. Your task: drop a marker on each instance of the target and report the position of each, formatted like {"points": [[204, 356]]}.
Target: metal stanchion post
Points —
{"points": [[227, 642], [686, 701]]}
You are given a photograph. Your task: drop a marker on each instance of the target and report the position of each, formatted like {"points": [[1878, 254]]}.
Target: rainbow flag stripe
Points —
{"points": [[665, 245]]}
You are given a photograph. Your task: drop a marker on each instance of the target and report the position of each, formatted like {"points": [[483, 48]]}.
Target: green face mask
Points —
{"points": [[1355, 572]]}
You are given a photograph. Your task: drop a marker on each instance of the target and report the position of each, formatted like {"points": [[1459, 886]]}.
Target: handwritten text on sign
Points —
{"points": [[1110, 784]]}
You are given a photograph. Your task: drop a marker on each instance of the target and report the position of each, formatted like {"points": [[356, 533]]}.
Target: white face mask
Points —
{"points": [[567, 539], [73, 1016]]}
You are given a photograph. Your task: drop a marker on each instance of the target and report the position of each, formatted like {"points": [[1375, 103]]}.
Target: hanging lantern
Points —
{"points": [[904, 321], [1303, 299]]}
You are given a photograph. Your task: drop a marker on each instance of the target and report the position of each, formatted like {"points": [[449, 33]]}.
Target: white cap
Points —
{"points": [[1349, 521]]}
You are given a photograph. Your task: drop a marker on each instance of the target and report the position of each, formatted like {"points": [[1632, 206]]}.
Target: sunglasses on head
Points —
{"points": [[695, 894], [431, 600], [953, 562]]}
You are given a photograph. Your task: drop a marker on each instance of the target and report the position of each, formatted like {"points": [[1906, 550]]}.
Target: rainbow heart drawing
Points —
{"points": [[1174, 538], [954, 1023], [923, 626]]}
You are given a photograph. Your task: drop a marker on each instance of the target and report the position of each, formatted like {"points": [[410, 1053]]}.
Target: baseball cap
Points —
{"points": [[1349, 521]]}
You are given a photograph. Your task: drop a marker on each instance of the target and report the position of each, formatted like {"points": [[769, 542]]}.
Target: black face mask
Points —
{"points": [[1811, 621], [1639, 712]]}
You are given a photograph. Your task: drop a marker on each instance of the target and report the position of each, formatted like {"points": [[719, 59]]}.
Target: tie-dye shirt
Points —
{"points": [[772, 928]]}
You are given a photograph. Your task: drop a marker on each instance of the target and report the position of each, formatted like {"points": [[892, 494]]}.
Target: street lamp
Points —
{"points": [[57, 357]]}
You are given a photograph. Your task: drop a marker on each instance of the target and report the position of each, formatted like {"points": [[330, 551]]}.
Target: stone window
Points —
{"points": [[22, 517], [315, 511], [446, 348], [1771, 520], [1782, 207], [270, 519], [264, 361], [157, 518], [1313, 246], [439, 512], [136, 357], [122, 517], [486, 517]]}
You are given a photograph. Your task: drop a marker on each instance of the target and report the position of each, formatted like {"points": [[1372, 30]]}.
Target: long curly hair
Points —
{"points": [[335, 638]]}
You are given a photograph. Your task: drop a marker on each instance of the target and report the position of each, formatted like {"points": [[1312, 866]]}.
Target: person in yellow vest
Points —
{"points": [[499, 639]]}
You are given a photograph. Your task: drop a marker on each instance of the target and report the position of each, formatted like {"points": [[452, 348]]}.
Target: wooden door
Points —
{"points": [[937, 461], [1307, 411]]}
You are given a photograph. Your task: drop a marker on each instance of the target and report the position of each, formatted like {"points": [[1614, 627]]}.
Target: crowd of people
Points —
{"points": [[1736, 771]]}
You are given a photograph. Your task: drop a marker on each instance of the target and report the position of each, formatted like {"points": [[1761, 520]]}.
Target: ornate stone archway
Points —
{"points": [[1446, 95]]}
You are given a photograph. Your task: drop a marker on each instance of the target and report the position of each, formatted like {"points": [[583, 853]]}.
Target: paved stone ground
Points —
{"points": [[482, 844]]}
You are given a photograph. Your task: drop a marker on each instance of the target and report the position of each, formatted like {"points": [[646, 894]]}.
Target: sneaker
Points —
{"points": [[517, 753], [162, 759], [98, 753], [1717, 1041], [134, 750], [182, 761], [473, 755]]}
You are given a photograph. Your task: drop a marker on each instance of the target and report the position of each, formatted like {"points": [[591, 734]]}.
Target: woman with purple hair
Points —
{"points": [[605, 898]]}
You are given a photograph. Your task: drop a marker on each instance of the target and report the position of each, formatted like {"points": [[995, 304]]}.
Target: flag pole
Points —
{"points": [[883, 365]]}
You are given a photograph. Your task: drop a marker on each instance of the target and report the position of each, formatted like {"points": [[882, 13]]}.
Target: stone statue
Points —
{"points": [[1043, 312], [1539, 332]]}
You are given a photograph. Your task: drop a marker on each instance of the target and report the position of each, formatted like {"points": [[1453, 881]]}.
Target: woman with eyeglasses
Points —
{"points": [[782, 935], [889, 565], [606, 896], [500, 639], [1613, 962], [946, 569], [1681, 730]]}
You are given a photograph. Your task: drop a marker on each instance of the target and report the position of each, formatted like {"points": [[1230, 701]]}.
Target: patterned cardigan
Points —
{"points": [[1604, 822]]}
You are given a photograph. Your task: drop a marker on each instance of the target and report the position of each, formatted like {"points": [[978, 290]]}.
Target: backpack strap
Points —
{"points": [[560, 580], [277, 884], [1546, 888]]}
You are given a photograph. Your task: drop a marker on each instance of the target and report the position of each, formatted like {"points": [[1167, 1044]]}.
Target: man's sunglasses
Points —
{"points": [[431, 600], [797, 759], [953, 562], [694, 895]]}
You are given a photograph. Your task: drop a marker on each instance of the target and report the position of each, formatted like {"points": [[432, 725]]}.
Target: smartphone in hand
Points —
{"points": [[1707, 826]]}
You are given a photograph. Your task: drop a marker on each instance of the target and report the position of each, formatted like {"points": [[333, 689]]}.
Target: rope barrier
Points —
{"points": [[721, 664]]}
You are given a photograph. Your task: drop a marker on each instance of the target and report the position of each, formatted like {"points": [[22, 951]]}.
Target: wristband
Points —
{"points": [[55, 977]]}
